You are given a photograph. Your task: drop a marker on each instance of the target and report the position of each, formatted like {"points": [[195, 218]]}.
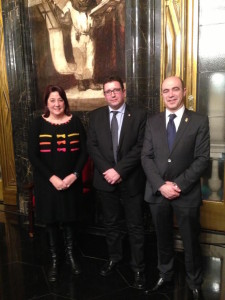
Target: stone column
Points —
{"points": [[143, 30]]}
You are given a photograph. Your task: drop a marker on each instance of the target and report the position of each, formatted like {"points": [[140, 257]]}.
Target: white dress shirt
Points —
{"points": [[119, 117], [179, 115]]}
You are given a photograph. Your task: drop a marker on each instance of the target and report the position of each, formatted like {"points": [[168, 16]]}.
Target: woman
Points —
{"points": [[57, 151]]}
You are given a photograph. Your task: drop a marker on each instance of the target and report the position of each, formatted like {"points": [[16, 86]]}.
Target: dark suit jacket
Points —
{"points": [[186, 162], [129, 151]]}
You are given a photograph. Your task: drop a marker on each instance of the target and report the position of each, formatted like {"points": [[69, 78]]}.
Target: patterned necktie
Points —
{"points": [[114, 132], [171, 131]]}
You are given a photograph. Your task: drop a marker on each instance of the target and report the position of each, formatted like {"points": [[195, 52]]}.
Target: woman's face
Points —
{"points": [[56, 105]]}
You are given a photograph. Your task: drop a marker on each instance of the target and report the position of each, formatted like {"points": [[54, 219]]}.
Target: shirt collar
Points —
{"points": [[179, 112], [121, 109]]}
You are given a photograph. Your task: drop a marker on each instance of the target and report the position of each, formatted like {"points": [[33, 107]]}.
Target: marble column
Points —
{"points": [[143, 53], [21, 86]]}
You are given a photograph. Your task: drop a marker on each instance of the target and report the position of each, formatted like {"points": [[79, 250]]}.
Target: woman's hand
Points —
{"points": [[68, 180], [58, 183]]}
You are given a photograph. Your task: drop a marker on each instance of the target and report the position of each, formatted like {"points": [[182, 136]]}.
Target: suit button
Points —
{"points": [[169, 160]]}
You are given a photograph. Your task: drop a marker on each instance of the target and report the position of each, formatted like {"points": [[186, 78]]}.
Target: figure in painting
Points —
{"points": [[78, 11], [93, 31]]}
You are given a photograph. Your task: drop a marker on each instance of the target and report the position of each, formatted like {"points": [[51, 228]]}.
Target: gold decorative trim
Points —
{"points": [[192, 51], [9, 189], [190, 102], [179, 40]]}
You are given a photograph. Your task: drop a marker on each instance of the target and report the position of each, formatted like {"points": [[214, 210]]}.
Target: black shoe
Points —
{"points": [[75, 268], [196, 293], [108, 268], [161, 285], [53, 271], [139, 280]]}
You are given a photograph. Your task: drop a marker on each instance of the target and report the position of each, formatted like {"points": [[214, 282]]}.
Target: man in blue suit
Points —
{"points": [[173, 181], [118, 175]]}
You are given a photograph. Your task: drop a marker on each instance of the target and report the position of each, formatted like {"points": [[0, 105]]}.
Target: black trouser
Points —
{"points": [[116, 205], [189, 227]]}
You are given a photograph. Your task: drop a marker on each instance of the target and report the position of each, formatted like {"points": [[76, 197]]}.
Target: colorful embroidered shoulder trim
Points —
{"points": [[45, 135], [73, 134]]}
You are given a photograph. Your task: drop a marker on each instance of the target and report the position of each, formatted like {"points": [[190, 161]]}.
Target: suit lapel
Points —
{"points": [[183, 127], [126, 125], [162, 128], [105, 122]]}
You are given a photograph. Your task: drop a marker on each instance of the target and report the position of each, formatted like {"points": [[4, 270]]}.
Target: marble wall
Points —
{"points": [[142, 57]]}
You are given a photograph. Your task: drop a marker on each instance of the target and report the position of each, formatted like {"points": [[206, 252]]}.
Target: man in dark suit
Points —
{"points": [[173, 180], [118, 174]]}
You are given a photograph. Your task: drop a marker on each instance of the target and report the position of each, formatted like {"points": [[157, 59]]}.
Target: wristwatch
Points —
{"points": [[76, 174]]}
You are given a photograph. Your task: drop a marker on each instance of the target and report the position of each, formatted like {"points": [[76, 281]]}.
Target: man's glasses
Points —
{"points": [[114, 91]]}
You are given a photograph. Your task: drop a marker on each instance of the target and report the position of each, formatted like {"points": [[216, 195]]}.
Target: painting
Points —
{"points": [[76, 44]]}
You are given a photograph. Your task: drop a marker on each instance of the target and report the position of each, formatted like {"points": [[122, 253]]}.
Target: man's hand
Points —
{"points": [[111, 176], [170, 190]]}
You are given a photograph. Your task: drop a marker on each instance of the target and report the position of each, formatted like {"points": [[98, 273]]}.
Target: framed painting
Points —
{"points": [[76, 44]]}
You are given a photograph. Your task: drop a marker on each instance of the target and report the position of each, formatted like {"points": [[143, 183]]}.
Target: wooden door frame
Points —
{"points": [[212, 212], [9, 188], [188, 63]]}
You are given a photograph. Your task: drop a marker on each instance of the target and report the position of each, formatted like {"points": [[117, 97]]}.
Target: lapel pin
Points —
{"points": [[186, 120], [129, 115]]}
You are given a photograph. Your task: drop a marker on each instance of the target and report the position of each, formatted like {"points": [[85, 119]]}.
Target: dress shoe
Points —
{"points": [[139, 280], [75, 268], [53, 272], [108, 268], [196, 293], [161, 285]]}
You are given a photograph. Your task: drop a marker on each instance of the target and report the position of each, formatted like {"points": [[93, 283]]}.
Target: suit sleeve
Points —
{"points": [[83, 146], [100, 161], [147, 159], [132, 158], [192, 174]]}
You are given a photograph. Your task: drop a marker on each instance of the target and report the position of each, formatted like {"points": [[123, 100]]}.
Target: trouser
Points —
{"points": [[189, 227], [116, 205]]}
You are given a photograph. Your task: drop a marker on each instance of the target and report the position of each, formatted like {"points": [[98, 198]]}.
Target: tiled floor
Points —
{"points": [[23, 269]]}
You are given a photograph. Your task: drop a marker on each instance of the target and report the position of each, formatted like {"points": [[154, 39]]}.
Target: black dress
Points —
{"points": [[56, 150]]}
